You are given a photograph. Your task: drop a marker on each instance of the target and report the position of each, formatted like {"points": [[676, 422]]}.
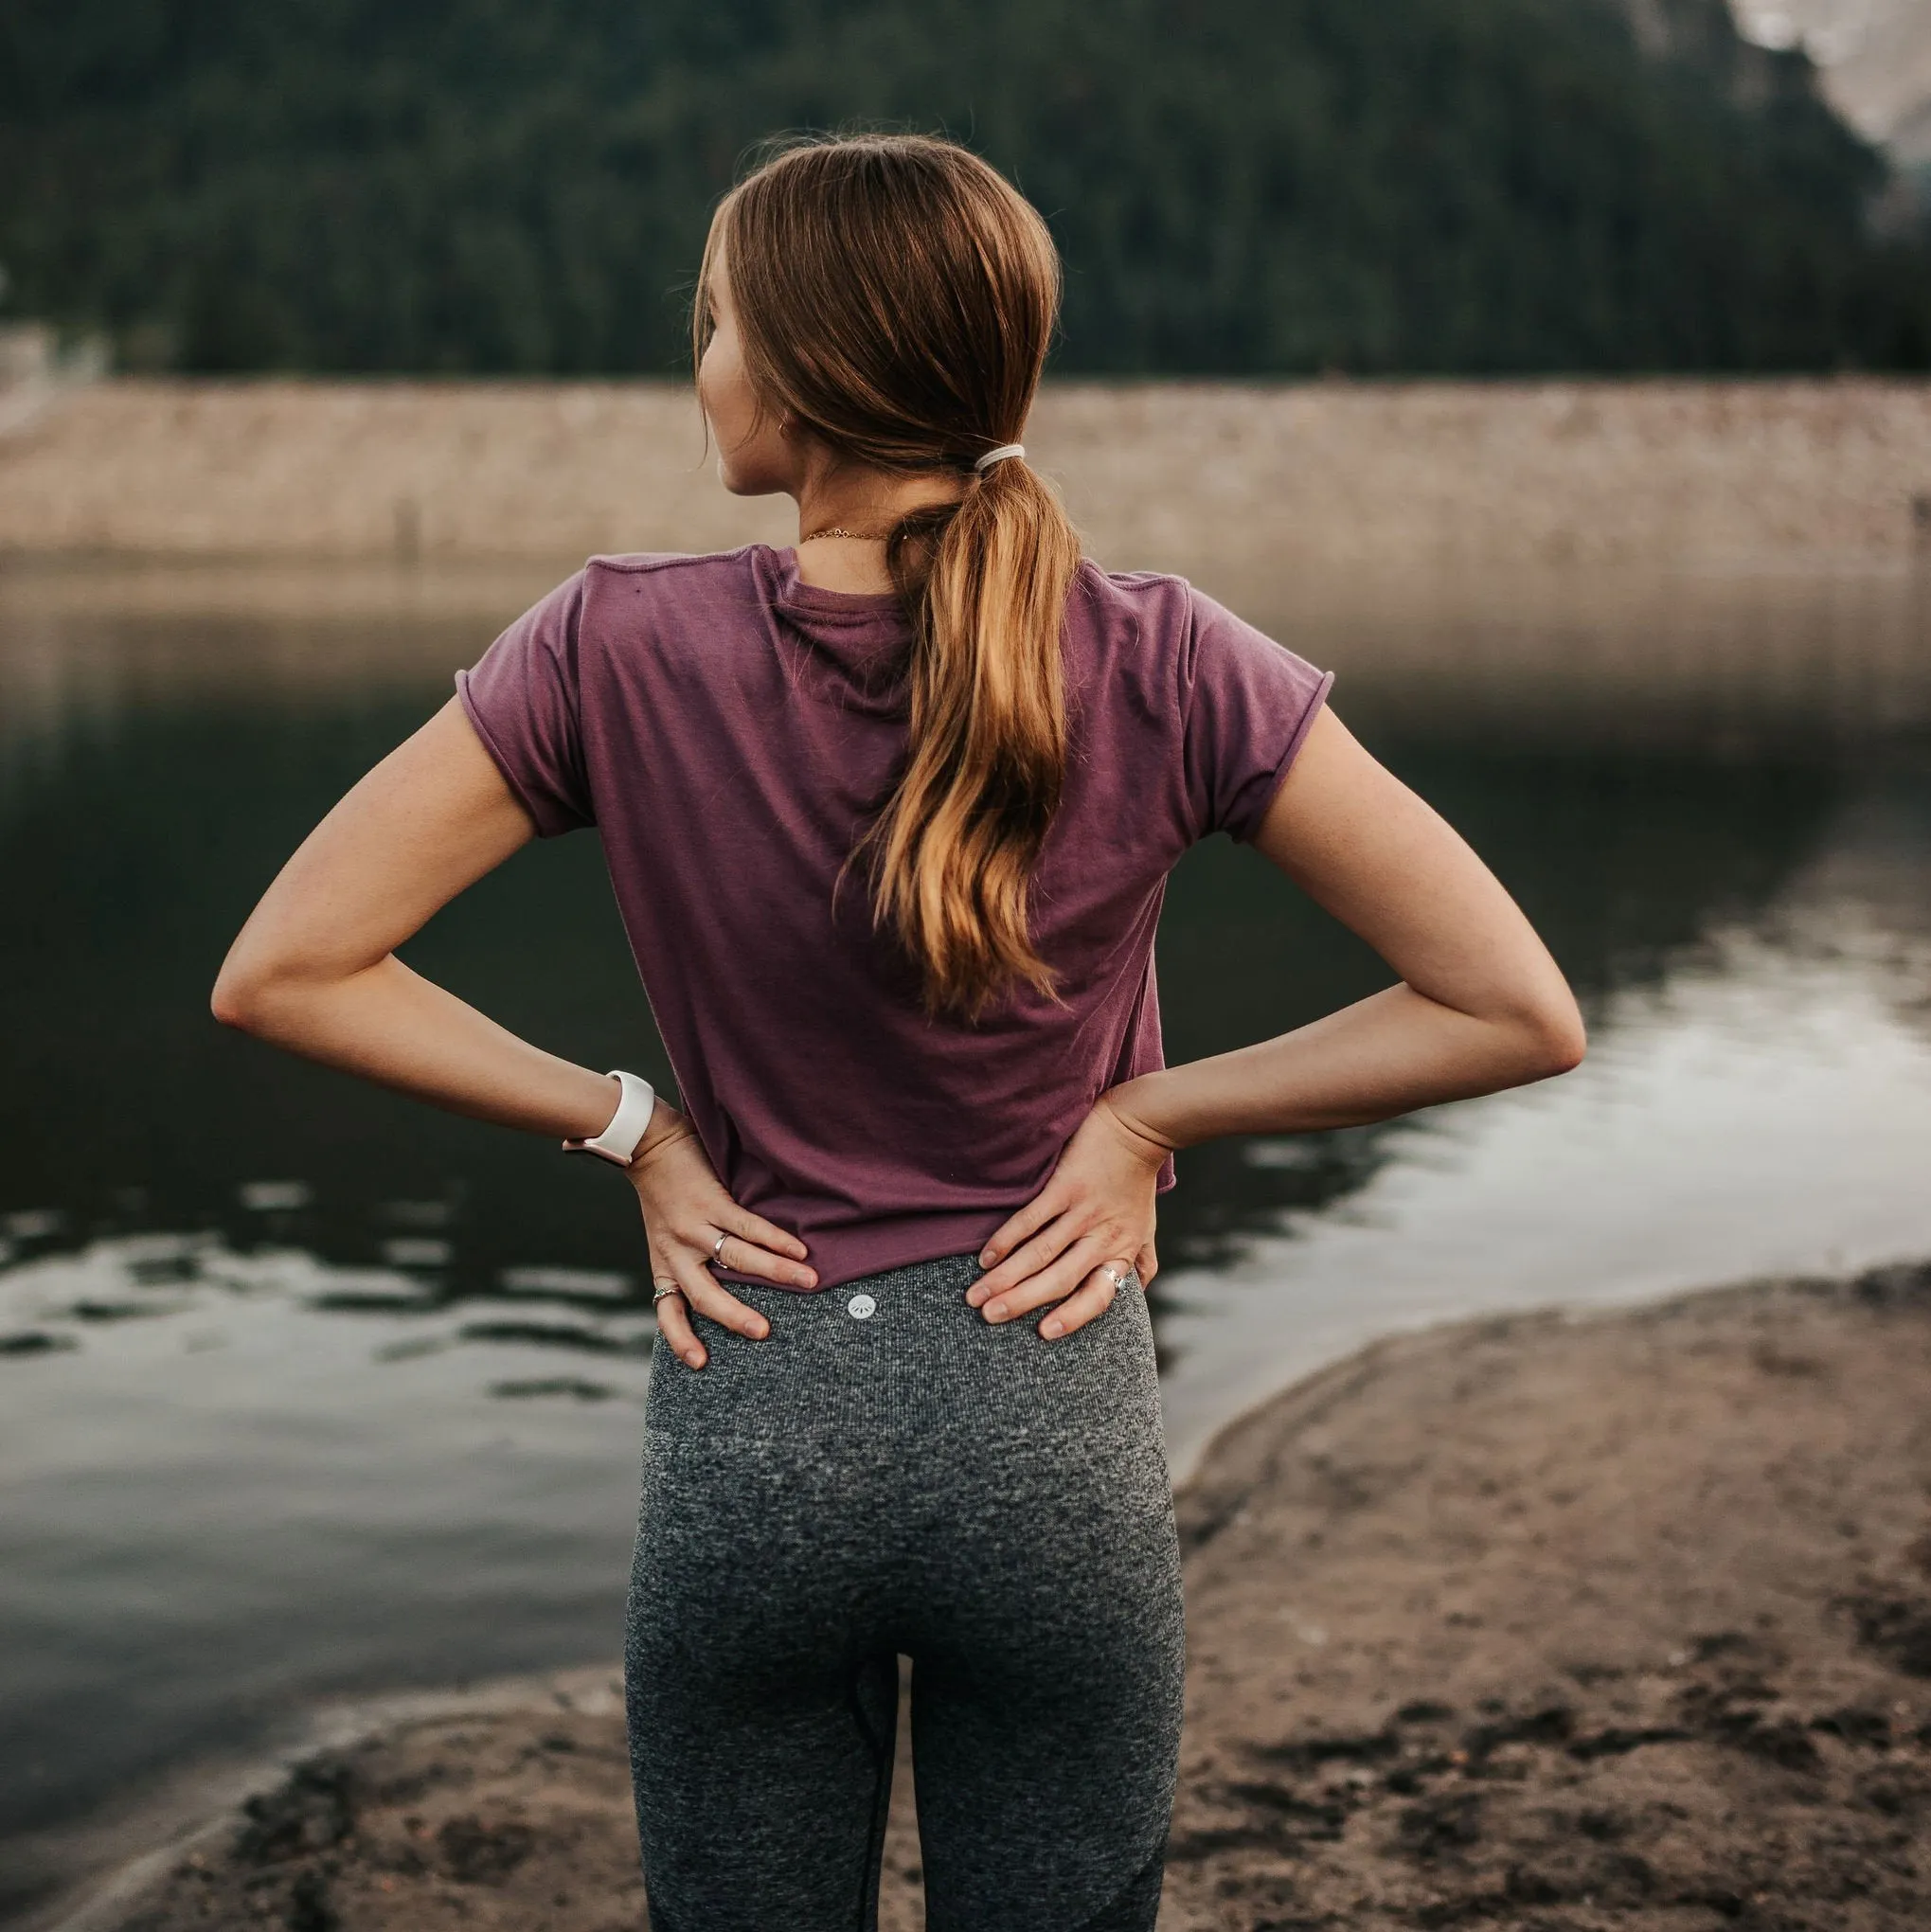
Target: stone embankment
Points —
{"points": [[1230, 483]]}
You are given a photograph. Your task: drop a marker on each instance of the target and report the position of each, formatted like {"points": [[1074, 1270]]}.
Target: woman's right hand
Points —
{"points": [[1095, 1212], [685, 1208]]}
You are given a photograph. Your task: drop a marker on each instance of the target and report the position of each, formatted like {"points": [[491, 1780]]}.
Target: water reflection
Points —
{"points": [[1725, 665], [48, 1302], [1762, 1108], [304, 1389]]}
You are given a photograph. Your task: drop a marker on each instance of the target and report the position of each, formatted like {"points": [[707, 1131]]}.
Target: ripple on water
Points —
{"points": [[61, 1301]]}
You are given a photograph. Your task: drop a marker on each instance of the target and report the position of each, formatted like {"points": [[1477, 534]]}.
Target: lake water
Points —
{"points": [[306, 1391]]}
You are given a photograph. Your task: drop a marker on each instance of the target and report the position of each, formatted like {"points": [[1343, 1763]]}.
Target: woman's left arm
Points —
{"points": [[315, 971], [1479, 1005]]}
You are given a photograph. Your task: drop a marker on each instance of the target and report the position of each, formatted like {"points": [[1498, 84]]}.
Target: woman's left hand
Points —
{"points": [[1096, 1215]]}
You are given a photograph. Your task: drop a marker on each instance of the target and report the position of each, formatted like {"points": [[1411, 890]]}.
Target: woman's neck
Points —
{"points": [[844, 514], [855, 566]]}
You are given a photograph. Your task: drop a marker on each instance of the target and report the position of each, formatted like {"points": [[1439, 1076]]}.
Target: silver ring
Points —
{"points": [[660, 1290], [717, 1249], [1114, 1275]]}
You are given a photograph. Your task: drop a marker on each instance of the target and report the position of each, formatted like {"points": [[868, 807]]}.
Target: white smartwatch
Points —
{"points": [[617, 1143]]}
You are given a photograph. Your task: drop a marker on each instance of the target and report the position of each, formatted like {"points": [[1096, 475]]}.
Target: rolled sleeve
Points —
{"points": [[522, 699], [1250, 704]]}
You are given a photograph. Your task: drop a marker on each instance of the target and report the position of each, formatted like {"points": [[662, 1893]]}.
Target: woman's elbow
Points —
{"points": [[236, 1000], [247, 993], [1556, 1038]]}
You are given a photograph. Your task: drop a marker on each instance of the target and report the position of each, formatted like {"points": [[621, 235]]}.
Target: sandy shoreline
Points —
{"points": [[1544, 1621]]}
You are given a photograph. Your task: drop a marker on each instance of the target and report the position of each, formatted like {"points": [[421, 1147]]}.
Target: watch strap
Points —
{"points": [[618, 1142]]}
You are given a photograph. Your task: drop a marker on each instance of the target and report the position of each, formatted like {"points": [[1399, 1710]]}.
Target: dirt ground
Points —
{"points": [[1547, 1623]]}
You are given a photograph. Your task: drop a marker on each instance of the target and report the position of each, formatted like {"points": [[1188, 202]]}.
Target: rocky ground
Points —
{"points": [[1574, 1625], [1545, 1624]]}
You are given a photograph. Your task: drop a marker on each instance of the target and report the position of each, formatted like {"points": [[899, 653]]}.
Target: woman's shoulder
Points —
{"points": [[676, 572], [1131, 591], [1166, 615], [1125, 619], [626, 600], [1157, 608]]}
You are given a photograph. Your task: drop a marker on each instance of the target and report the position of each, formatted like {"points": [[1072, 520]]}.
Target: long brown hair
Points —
{"points": [[896, 297]]}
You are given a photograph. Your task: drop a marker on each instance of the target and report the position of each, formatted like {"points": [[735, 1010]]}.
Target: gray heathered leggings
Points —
{"points": [[887, 1475]]}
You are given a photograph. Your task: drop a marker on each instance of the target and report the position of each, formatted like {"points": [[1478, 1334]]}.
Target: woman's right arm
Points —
{"points": [[1480, 1006]]}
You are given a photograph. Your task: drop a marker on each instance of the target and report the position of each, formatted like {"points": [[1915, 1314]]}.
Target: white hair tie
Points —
{"points": [[998, 455]]}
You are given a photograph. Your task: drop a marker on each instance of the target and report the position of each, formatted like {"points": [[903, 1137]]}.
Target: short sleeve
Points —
{"points": [[1249, 704], [522, 697]]}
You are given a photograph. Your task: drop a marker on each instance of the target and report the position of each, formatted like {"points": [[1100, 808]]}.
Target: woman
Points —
{"points": [[889, 816]]}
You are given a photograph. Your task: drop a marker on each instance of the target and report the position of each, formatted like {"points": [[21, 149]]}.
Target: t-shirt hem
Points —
{"points": [[855, 1254], [848, 1255]]}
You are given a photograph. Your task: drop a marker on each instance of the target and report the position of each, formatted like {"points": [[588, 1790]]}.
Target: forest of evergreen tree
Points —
{"points": [[1240, 187]]}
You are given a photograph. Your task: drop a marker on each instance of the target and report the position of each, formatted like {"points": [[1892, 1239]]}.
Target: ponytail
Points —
{"points": [[953, 849], [896, 297]]}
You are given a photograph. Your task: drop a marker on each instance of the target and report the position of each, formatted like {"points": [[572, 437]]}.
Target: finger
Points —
{"points": [[766, 1234], [743, 1256], [1094, 1298], [1050, 1201], [673, 1324], [1025, 1261], [1053, 1284], [1146, 1264], [718, 1304]]}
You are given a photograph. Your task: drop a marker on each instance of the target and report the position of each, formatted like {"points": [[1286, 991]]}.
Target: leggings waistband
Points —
{"points": [[903, 1352]]}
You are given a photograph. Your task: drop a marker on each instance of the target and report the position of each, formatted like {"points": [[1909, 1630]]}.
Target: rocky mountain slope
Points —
{"points": [[1875, 58]]}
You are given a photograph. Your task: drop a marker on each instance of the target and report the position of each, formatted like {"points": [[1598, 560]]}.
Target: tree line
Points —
{"points": [[1239, 187]]}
